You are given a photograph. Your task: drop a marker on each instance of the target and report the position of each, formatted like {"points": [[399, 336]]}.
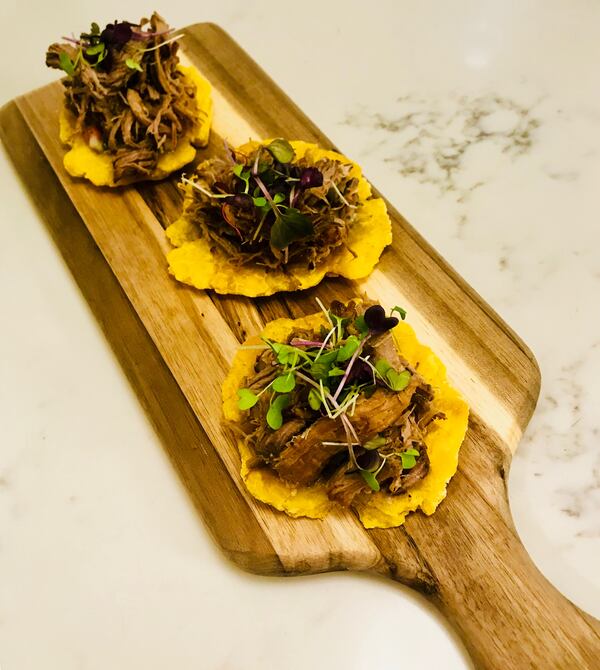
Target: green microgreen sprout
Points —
{"points": [[374, 443], [281, 150], [397, 381], [348, 348], [284, 383], [401, 311], [96, 49], [243, 174], [133, 64], [409, 458], [361, 325], [274, 415], [67, 64], [370, 478], [315, 399]]}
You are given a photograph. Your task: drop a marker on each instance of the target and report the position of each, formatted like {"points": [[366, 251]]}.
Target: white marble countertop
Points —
{"points": [[481, 123]]}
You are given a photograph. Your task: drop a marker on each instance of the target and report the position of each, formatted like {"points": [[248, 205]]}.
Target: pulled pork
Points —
{"points": [[311, 447], [126, 93], [261, 209]]}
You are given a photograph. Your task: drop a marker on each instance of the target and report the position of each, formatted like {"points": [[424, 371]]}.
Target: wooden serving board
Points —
{"points": [[175, 344]]}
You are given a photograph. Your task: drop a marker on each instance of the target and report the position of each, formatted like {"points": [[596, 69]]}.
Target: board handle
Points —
{"points": [[468, 560]]}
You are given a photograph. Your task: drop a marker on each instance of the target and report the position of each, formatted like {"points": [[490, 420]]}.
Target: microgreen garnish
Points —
{"points": [[311, 177], [95, 49], [320, 367], [117, 34], [274, 415], [409, 458], [247, 399], [289, 227], [281, 150], [66, 64], [401, 311], [133, 65], [97, 46], [375, 443], [397, 381], [284, 383], [361, 325], [371, 479], [348, 348], [243, 174], [314, 399]]}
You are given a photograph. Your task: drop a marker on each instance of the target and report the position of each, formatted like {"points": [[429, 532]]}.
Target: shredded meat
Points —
{"points": [[399, 480], [138, 114], [305, 456], [345, 485], [276, 440]]}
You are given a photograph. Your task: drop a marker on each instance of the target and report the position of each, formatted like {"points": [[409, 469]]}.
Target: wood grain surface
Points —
{"points": [[175, 345]]}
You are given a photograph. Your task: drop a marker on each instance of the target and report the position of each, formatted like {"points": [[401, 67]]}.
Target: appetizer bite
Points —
{"points": [[276, 216], [345, 408], [131, 111]]}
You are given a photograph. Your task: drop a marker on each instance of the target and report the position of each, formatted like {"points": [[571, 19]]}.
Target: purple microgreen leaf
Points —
{"points": [[299, 342], [377, 321], [240, 200], [117, 34], [311, 177]]}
